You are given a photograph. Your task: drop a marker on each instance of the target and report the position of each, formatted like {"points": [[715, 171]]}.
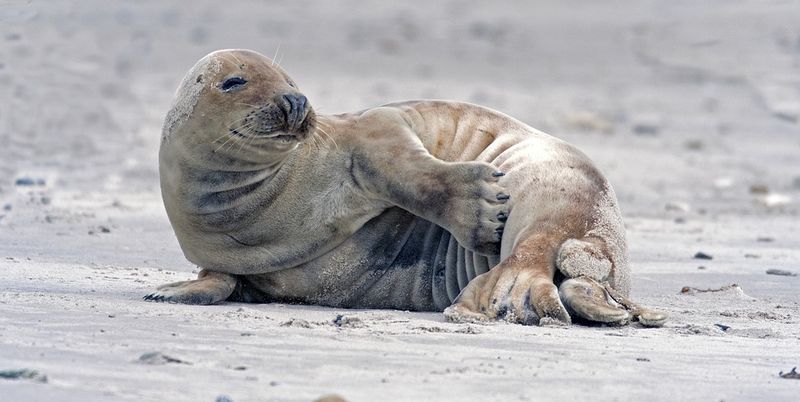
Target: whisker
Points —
{"points": [[241, 145], [279, 61], [230, 137], [237, 60], [276, 54], [233, 143], [327, 136], [221, 137], [247, 104]]}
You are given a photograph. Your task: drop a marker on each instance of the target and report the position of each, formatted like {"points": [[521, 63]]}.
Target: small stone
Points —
{"points": [[642, 359], [752, 256], [794, 375], [345, 321], [694, 145], [765, 239], [759, 189], [157, 358], [702, 267], [646, 124], [23, 374], [7, 207], [723, 327], [780, 272], [702, 256], [25, 181], [223, 398], [105, 229]]}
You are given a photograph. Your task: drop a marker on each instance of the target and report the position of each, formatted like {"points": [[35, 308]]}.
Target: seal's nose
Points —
{"points": [[294, 106]]}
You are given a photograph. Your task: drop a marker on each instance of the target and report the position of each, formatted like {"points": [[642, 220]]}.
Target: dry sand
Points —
{"points": [[691, 108]]}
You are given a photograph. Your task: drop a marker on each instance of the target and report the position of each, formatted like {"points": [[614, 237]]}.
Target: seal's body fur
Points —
{"points": [[398, 260]]}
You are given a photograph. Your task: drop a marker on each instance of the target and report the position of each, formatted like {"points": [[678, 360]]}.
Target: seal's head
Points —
{"points": [[239, 103]]}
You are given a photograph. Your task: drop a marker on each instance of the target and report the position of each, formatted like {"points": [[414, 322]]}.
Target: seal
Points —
{"points": [[420, 205]]}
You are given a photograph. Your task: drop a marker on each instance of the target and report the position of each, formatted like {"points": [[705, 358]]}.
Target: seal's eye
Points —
{"points": [[232, 83]]}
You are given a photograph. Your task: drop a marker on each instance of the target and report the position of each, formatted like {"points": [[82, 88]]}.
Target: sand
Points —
{"points": [[692, 109]]}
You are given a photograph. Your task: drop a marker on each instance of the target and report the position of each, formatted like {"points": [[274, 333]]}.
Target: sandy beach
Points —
{"points": [[691, 109]]}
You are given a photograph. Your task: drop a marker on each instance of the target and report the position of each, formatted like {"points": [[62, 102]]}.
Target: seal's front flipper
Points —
{"points": [[596, 302], [209, 288]]}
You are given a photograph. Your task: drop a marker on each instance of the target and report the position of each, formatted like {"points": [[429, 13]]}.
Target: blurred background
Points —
{"points": [[689, 107]]}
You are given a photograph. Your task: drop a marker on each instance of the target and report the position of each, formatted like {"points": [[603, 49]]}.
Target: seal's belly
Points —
{"points": [[393, 261]]}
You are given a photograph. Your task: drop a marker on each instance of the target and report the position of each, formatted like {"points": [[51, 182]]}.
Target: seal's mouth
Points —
{"points": [[288, 120], [295, 131]]}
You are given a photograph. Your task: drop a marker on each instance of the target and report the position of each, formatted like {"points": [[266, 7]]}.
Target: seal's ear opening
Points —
{"points": [[232, 84]]}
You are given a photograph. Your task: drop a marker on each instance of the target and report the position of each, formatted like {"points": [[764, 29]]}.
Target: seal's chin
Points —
{"points": [[285, 138]]}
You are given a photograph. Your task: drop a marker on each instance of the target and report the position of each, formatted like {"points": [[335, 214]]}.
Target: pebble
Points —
{"points": [[792, 374], [780, 272], [694, 145], [702, 256], [345, 321], [23, 374], [25, 181], [759, 189], [646, 125], [159, 358]]}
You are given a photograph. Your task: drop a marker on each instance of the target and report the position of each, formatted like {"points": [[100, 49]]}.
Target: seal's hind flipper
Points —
{"points": [[587, 299], [596, 302], [209, 288], [646, 316]]}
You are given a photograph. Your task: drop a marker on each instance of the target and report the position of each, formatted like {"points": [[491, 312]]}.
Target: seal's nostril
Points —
{"points": [[296, 102], [301, 102], [294, 106]]}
